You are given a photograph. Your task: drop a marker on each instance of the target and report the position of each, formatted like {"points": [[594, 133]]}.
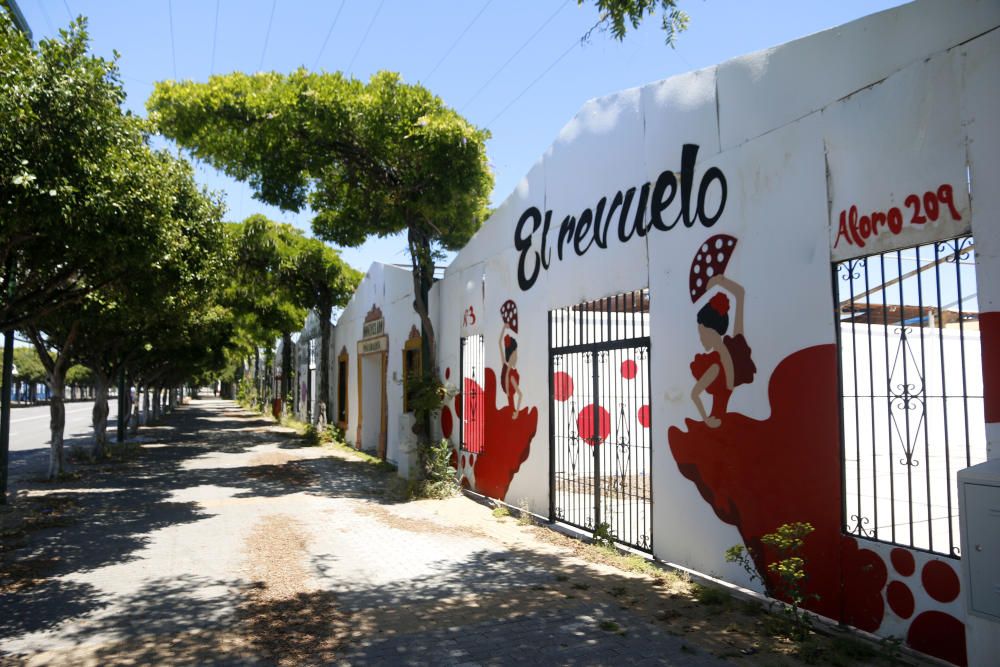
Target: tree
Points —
{"points": [[372, 158], [320, 280], [615, 13], [62, 130], [29, 368]]}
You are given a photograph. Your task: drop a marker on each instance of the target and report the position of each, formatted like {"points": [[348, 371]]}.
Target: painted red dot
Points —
{"points": [[629, 369], [940, 581], [463, 461], [447, 373], [585, 424], [447, 423], [900, 599], [938, 634], [644, 416], [458, 405], [902, 561], [562, 385], [453, 459]]}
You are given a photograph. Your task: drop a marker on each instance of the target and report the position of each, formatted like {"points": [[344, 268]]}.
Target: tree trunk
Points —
{"points": [[156, 404], [57, 420], [100, 415], [324, 364], [134, 412], [286, 369], [423, 278]]}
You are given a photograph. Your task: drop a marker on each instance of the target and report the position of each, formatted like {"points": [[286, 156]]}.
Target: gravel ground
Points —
{"points": [[222, 540]]}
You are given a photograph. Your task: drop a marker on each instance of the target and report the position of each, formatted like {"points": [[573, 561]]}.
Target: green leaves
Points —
{"points": [[616, 13]]}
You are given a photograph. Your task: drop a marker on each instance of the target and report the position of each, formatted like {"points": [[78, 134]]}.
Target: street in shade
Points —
{"points": [[30, 435]]}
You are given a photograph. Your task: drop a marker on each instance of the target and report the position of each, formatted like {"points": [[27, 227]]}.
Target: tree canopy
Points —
{"points": [[371, 158], [618, 15], [74, 197]]}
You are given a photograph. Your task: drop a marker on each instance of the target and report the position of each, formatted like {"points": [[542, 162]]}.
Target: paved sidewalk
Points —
{"points": [[226, 542]]}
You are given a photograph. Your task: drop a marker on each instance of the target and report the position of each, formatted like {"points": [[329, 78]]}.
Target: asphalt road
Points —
{"points": [[30, 436]]}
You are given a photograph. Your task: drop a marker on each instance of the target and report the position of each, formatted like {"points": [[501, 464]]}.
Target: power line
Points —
{"points": [[68, 11], [457, 40], [215, 37], [52, 30], [519, 49], [538, 78], [267, 35], [365, 38], [328, 33], [173, 50]]}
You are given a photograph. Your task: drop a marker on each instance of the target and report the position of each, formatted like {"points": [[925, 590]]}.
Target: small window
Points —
{"points": [[911, 391], [473, 432], [342, 389], [412, 368]]}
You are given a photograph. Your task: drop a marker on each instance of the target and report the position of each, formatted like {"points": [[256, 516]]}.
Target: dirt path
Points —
{"points": [[223, 541]]}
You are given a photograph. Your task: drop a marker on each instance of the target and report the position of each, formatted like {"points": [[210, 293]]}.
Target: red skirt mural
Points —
{"points": [[502, 439], [760, 474]]}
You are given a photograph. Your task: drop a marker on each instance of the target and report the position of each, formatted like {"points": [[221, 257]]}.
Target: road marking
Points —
{"points": [[28, 419]]}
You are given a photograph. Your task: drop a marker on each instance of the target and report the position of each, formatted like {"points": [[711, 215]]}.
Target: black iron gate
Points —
{"points": [[600, 418]]}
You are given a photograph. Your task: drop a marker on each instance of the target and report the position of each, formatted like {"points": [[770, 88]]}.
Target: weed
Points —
{"points": [[617, 591], [789, 569], [603, 535], [581, 586], [712, 595], [609, 626], [524, 516], [438, 479], [500, 512]]}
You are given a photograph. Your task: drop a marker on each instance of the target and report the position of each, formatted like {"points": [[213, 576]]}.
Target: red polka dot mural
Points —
{"points": [[644, 417], [902, 562], [585, 424], [900, 599], [447, 422], [562, 386], [629, 369], [940, 581]]}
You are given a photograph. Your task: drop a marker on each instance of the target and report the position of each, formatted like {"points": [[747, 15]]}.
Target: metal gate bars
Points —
{"points": [[599, 418]]}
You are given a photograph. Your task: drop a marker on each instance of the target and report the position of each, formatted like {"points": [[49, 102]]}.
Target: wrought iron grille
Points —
{"points": [[911, 391], [472, 437], [599, 421]]}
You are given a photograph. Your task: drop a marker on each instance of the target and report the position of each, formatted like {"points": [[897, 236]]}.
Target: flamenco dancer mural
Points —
{"points": [[508, 429], [760, 474]]}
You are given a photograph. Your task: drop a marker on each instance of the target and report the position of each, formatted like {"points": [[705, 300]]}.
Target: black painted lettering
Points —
{"points": [[666, 181], [582, 227], [602, 241], [640, 211], [565, 234], [546, 250], [713, 174], [623, 233], [522, 243], [689, 155]]}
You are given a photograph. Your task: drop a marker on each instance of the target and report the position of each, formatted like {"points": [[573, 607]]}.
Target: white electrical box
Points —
{"points": [[979, 507]]}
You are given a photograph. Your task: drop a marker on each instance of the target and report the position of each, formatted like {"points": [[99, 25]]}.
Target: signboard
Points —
{"points": [[372, 345], [892, 184], [373, 328]]}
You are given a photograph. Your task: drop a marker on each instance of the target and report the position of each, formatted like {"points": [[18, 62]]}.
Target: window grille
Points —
{"points": [[473, 362], [911, 391]]}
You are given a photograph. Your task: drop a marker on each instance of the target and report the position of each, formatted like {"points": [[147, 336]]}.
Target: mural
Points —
{"points": [[508, 429], [760, 474]]}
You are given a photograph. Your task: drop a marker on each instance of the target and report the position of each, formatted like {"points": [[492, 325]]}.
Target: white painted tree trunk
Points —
{"points": [[57, 421], [100, 415]]}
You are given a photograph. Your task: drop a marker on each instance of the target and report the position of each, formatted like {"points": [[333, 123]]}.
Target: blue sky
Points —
{"points": [[463, 50]]}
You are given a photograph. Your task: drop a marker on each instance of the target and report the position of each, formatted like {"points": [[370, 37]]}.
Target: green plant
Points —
{"points": [[437, 478], [500, 511], [788, 568], [603, 535], [524, 515]]}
